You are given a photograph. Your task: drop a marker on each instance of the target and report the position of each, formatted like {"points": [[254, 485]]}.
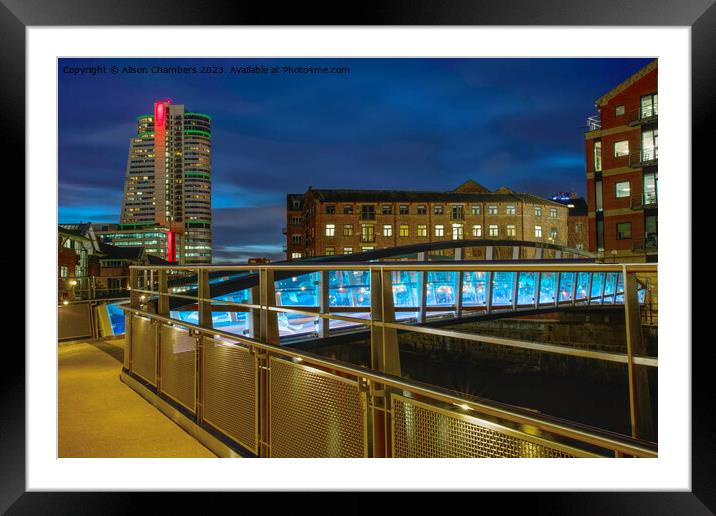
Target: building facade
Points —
{"points": [[154, 240], [329, 222], [168, 182], [622, 156], [577, 220]]}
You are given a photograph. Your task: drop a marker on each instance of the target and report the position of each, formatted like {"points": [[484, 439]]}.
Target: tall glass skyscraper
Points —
{"points": [[168, 181]]}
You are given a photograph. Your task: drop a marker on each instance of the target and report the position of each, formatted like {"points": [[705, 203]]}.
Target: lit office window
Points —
{"points": [[621, 148], [598, 156], [439, 230], [404, 230], [553, 213], [510, 210], [475, 209], [295, 255], [622, 189], [538, 231], [457, 232], [330, 251], [493, 230], [477, 230], [623, 230], [553, 233], [619, 111], [538, 211], [422, 230], [511, 230], [330, 230], [347, 229], [347, 250], [387, 230], [492, 210]]}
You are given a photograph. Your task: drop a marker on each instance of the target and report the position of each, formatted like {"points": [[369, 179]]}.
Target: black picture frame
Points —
{"points": [[700, 15]]}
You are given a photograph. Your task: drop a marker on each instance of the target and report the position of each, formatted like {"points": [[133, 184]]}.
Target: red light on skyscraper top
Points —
{"points": [[159, 112], [171, 247]]}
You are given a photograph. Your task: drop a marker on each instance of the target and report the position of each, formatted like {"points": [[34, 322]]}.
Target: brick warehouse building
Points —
{"points": [[328, 222], [622, 170]]}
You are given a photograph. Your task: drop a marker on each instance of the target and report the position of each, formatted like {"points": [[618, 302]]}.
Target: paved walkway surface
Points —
{"points": [[99, 416]]}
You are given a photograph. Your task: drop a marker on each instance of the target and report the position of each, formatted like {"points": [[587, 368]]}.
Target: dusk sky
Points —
{"points": [[412, 124]]}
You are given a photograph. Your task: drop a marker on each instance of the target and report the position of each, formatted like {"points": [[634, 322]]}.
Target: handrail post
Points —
{"points": [[488, 292], [324, 324], [269, 318], [204, 298], [133, 295], [385, 357], [459, 279], [642, 426], [163, 297], [558, 280], [538, 286], [515, 286], [423, 293], [589, 288], [575, 279]]}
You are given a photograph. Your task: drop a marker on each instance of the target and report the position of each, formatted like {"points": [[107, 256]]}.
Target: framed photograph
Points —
{"points": [[416, 250]]}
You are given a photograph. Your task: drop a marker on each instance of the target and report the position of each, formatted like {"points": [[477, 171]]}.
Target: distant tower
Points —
{"points": [[168, 180]]}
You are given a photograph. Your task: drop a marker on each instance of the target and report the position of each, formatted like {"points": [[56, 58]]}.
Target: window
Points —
{"points": [[553, 233], [347, 250], [404, 230], [296, 239], [367, 248], [296, 221], [63, 271], [438, 210], [578, 228], [598, 156], [650, 145], [492, 210], [347, 229], [457, 233], [538, 211], [600, 235], [598, 194], [330, 230], [296, 206], [403, 209], [621, 148], [477, 230], [475, 209], [623, 230], [538, 231], [619, 111], [622, 189], [511, 231], [510, 209], [422, 230], [650, 195], [458, 213], [649, 106], [367, 233], [439, 230], [493, 230], [387, 209], [295, 255], [388, 230], [422, 210], [367, 212], [347, 210], [553, 213], [330, 251], [330, 209]]}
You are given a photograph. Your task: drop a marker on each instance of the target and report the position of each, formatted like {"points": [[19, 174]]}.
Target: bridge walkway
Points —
{"points": [[99, 416]]}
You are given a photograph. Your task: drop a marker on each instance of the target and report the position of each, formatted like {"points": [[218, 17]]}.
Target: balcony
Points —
{"points": [[643, 115], [644, 157], [594, 123], [642, 201]]}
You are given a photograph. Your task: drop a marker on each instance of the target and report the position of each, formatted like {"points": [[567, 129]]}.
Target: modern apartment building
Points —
{"points": [[622, 151], [167, 192], [329, 222]]}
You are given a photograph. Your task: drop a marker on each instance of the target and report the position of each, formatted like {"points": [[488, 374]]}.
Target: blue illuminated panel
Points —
{"points": [[474, 289], [548, 287], [502, 288]]}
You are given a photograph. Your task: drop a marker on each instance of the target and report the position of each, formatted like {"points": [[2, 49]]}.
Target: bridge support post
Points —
{"points": [[639, 398], [515, 286], [459, 279], [323, 324], [538, 282], [385, 358], [556, 289], [589, 288]]}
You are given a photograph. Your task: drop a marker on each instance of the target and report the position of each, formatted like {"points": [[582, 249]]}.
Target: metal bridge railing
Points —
{"points": [[274, 401]]}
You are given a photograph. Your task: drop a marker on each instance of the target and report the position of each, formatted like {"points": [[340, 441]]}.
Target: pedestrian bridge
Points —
{"points": [[212, 344]]}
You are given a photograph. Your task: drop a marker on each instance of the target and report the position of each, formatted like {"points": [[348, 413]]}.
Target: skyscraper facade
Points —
{"points": [[168, 181]]}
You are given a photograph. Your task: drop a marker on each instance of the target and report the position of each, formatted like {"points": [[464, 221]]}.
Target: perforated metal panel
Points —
{"points": [[127, 339], [144, 349], [73, 321], [314, 413], [178, 366], [230, 401], [422, 430]]}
